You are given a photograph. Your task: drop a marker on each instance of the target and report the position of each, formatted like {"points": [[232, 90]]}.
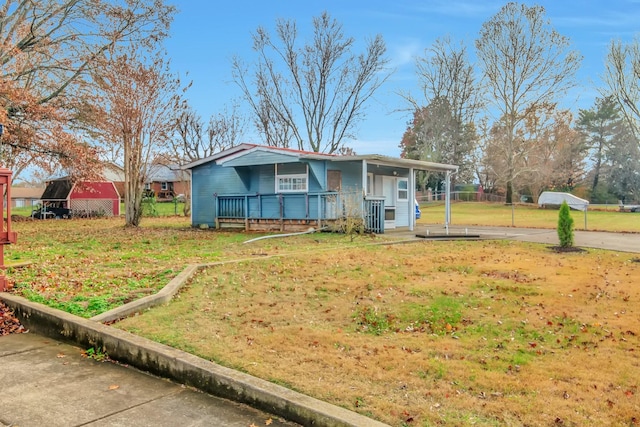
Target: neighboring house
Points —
{"points": [[23, 197], [82, 198], [268, 188], [114, 173], [164, 182]]}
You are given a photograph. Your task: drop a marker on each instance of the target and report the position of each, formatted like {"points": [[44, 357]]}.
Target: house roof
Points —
{"points": [[232, 156], [26, 193], [113, 172], [219, 155], [57, 190], [60, 189], [164, 173]]}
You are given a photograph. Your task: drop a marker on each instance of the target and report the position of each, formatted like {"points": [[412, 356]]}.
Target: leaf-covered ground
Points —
{"points": [[89, 266], [9, 323], [431, 333]]}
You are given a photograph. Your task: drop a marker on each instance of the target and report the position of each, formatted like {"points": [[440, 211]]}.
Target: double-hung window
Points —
{"points": [[292, 178], [403, 189]]}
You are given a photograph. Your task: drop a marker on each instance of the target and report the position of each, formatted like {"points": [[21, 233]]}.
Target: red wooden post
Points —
{"points": [[6, 235]]}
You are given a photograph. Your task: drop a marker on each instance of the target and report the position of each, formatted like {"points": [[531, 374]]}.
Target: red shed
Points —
{"points": [[84, 198]]}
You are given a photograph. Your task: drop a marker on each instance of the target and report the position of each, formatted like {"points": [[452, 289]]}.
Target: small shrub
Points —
{"points": [[565, 226], [96, 354], [350, 222], [149, 207]]}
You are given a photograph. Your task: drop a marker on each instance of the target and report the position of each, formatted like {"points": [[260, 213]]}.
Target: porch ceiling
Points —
{"points": [[377, 159]]}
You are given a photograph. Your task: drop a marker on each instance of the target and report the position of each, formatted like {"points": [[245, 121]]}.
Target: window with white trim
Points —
{"points": [[164, 186], [289, 178], [403, 189], [369, 183]]}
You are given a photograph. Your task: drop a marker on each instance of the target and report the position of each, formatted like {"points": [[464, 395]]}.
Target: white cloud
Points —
{"points": [[405, 52]]}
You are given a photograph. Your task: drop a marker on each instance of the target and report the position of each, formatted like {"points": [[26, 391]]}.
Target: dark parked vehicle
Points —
{"points": [[46, 213]]}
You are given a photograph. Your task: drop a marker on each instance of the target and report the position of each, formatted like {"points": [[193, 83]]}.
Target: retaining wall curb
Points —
{"points": [[182, 367], [161, 297]]}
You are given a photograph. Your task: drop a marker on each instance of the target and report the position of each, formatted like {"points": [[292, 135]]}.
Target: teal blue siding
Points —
{"points": [[351, 174], [317, 175], [252, 178], [207, 180]]}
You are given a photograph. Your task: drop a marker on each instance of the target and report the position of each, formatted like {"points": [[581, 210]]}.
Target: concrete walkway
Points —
{"points": [[47, 383]]}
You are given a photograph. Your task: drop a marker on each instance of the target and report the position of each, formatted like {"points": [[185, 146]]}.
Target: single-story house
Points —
{"points": [[268, 188], [24, 197], [164, 182], [84, 198]]}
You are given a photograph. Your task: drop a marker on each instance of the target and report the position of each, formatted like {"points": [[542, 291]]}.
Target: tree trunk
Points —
{"points": [[598, 165], [132, 183]]}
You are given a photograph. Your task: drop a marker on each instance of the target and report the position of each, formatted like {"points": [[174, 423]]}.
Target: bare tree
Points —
{"points": [[194, 141], [142, 97], [447, 77], [48, 49], [622, 78], [312, 94], [526, 63], [556, 156], [445, 72]]}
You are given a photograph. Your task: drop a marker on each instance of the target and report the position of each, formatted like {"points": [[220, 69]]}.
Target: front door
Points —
{"points": [[389, 193]]}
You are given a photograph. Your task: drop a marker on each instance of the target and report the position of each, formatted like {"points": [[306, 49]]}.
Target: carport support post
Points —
{"points": [[412, 199], [6, 235], [447, 200], [586, 208]]}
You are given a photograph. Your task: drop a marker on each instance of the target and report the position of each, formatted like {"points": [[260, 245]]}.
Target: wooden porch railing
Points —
{"points": [[321, 207]]}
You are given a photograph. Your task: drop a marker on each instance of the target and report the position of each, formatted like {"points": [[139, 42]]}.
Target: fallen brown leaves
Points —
{"points": [[497, 333], [9, 324]]}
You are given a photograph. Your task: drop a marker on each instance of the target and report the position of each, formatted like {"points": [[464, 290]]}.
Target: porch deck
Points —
{"points": [[296, 211]]}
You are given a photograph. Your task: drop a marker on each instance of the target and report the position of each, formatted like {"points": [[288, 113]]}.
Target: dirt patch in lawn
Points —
{"points": [[431, 333]]}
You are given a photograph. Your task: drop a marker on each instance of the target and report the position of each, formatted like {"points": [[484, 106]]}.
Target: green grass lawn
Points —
{"points": [[497, 214]]}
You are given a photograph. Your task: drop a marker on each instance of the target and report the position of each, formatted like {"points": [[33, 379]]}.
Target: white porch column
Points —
{"points": [[447, 202], [412, 198], [365, 190]]}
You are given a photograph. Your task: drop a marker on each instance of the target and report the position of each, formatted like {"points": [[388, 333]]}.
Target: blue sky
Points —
{"points": [[206, 34]]}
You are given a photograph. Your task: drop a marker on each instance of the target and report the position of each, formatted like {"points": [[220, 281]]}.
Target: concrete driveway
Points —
{"points": [[623, 242]]}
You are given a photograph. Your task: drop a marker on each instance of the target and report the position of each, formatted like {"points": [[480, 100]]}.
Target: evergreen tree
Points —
{"points": [[565, 226]]}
